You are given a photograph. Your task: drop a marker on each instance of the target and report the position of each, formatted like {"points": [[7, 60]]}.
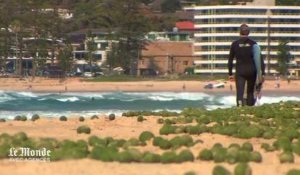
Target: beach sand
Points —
{"points": [[77, 85], [126, 128]]}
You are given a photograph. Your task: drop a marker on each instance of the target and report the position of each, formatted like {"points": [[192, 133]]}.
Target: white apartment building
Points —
{"points": [[218, 26]]}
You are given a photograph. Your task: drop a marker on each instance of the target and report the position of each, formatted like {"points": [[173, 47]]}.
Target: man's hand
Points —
{"points": [[231, 78]]}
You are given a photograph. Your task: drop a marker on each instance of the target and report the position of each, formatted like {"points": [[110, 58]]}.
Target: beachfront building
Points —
{"points": [[166, 57], [167, 52], [217, 26], [80, 40], [174, 35]]}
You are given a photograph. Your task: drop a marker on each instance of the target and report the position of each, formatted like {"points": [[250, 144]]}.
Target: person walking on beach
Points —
{"points": [[246, 67], [289, 79]]}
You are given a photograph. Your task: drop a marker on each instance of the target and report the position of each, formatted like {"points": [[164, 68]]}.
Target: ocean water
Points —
{"points": [[87, 104]]}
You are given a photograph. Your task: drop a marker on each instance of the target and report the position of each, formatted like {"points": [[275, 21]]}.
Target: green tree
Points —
{"points": [[172, 6], [91, 47], [130, 26], [114, 56], [87, 13], [6, 18], [288, 2], [146, 2], [21, 29], [283, 57], [39, 31], [54, 28], [65, 58]]}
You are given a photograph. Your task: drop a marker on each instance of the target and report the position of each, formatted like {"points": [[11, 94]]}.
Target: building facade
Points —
{"points": [[166, 57], [101, 47], [218, 26]]}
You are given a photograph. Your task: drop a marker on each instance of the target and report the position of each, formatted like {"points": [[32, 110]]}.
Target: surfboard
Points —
{"points": [[259, 77]]}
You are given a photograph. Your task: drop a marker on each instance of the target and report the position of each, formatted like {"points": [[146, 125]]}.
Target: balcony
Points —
{"points": [[230, 16], [237, 25], [226, 52]]}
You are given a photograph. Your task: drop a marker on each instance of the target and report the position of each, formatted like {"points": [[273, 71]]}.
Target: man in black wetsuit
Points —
{"points": [[245, 70]]}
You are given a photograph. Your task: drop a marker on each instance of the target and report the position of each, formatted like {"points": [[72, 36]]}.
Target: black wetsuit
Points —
{"points": [[245, 69]]}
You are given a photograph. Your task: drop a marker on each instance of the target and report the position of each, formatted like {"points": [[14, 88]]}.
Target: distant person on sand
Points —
{"points": [[277, 78], [246, 72], [289, 79]]}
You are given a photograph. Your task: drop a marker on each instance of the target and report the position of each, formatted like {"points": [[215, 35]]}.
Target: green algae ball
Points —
{"points": [[81, 119], [169, 157], [256, 157], [83, 130], [151, 158], [220, 170], [247, 146], [112, 117], [205, 154], [286, 157], [63, 118], [185, 155], [145, 136], [242, 169], [293, 172]]}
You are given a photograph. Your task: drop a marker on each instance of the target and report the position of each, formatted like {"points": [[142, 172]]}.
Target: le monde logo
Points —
{"points": [[28, 154]]}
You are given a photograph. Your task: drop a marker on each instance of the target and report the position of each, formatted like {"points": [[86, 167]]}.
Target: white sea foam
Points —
{"points": [[266, 99], [27, 94], [69, 99], [87, 95], [5, 97], [228, 101], [160, 98], [169, 96]]}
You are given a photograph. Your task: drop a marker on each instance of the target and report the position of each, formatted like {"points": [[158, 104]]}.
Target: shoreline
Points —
{"points": [[76, 85], [271, 93]]}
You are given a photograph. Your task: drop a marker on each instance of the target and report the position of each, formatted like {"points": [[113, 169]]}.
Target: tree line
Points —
{"points": [[35, 28], [40, 20]]}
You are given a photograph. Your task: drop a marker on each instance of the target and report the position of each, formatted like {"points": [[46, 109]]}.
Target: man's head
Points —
{"points": [[244, 30]]}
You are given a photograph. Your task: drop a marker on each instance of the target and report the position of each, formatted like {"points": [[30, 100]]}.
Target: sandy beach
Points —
{"points": [[125, 128], [78, 85]]}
